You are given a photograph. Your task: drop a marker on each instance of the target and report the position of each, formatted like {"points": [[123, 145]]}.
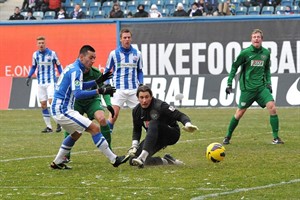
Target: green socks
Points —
{"points": [[274, 121], [232, 125], [105, 130]]}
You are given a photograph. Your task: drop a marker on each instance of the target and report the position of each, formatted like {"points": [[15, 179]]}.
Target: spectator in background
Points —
{"points": [[224, 8], [29, 16], [194, 10], [53, 5], [287, 11], [180, 12], [17, 15], [77, 13], [154, 13], [61, 14], [211, 8], [141, 11], [116, 11], [129, 15], [28, 5]]}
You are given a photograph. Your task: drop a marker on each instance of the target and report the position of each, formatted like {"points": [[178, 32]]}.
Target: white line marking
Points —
{"points": [[83, 152], [246, 189]]}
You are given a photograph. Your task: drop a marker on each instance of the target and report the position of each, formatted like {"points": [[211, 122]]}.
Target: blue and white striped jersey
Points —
{"points": [[70, 86], [127, 68], [45, 63]]}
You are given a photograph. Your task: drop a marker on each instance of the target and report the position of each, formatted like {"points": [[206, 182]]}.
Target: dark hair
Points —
{"points": [[85, 48], [143, 88], [140, 6]]}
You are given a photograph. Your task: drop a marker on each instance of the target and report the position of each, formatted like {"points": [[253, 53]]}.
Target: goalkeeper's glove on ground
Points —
{"points": [[111, 110], [189, 127], [133, 149], [101, 79], [107, 89], [28, 80]]}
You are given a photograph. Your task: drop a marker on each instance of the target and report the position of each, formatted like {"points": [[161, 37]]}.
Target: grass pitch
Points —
{"points": [[253, 168]]}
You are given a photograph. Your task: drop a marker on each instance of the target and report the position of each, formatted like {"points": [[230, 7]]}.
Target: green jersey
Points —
{"points": [[255, 69], [93, 74]]}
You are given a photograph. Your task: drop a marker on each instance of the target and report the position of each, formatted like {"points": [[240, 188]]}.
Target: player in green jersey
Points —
{"points": [[255, 84], [92, 107]]}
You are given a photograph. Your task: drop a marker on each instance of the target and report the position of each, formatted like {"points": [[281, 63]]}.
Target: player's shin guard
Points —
{"points": [[65, 148], [111, 126], [105, 130], [274, 121], [46, 117], [232, 125], [102, 145], [68, 155]]}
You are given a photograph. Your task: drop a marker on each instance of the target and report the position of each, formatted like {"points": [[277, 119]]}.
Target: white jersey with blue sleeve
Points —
{"points": [[69, 86], [45, 62], [127, 68]]}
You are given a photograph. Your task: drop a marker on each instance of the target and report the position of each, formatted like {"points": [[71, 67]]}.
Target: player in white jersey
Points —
{"points": [[45, 60], [126, 64], [70, 86]]}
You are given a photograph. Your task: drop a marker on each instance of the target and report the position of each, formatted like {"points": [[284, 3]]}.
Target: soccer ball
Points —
{"points": [[215, 152]]}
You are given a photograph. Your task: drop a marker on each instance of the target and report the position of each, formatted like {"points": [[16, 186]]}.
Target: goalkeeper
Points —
{"points": [[160, 122], [92, 106]]}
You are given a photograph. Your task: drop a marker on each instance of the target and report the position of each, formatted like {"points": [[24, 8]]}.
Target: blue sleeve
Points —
{"points": [[140, 76], [59, 68], [109, 66], [84, 94], [88, 84], [32, 70]]}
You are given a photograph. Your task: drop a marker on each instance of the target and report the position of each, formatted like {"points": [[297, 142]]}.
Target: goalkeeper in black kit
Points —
{"points": [[159, 119]]}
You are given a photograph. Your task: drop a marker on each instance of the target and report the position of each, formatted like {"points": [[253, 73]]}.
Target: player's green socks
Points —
{"points": [[274, 121], [69, 154], [232, 125], [105, 130]]}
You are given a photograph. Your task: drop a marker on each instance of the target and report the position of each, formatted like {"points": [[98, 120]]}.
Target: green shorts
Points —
{"points": [[262, 97], [89, 107]]}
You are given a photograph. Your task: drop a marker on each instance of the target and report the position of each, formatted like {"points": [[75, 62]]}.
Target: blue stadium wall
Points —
{"points": [[192, 56]]}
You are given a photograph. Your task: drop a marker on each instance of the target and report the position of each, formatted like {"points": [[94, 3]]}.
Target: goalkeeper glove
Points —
{"points": [[102, 78], [133, 149], [107, 89], [189, 127], [28, 80], [111, 110], [270, 88], [228, 89]]}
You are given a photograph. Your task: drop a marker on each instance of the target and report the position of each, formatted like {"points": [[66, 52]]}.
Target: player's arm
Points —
{"points": [[268, 71], [110, 64], [32, 70], [140, 73]]}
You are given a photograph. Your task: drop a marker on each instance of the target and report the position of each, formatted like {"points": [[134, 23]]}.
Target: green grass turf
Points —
{"points": [[253, 168]]}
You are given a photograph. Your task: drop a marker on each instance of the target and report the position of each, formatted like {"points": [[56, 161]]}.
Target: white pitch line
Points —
{"points": [[83, 152], [246, 189]]}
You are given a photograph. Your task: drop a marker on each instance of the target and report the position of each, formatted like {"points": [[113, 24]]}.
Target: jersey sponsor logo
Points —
{"points": [[172, 108], [257, 63], [77, 82]]}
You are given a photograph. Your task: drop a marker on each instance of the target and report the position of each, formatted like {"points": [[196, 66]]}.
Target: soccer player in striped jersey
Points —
{"points": [[127, 66], [45, 60], [70, 86]]}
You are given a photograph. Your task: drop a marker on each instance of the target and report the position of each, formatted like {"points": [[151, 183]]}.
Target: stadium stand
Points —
{"points": [[253, 10], [279, 10], [267, 10], [100, 14], [241, 10], [286, 2], [107, 6], [132, 6], [49, 15], [94, 6], [39, 15]]}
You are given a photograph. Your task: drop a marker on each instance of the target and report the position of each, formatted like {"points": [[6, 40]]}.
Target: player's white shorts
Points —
{"points": [[72, 121], [125, 96], [45, 92]]}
